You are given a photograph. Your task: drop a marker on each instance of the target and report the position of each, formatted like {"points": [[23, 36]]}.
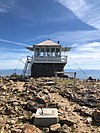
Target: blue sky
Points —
{"points": [[75, 23]]}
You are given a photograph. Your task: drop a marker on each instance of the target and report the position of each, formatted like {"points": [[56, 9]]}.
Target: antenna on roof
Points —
{"points": [[49, 38]]}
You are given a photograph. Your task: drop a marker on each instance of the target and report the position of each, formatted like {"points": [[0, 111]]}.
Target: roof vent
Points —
{"points": [[58, 42]]}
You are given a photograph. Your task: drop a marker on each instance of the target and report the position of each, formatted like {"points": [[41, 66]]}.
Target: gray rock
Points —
{"points": [[67, 121], [55, 127], [65, 129], [46, 130], [96, 117]]}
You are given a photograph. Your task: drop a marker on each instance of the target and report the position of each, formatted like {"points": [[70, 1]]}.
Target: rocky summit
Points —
{"points": [[78, 105]]}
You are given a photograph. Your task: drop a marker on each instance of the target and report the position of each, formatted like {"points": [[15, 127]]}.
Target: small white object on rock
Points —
{"points": [[88, 120], [55, 127], [50, 82], [46, 117]]}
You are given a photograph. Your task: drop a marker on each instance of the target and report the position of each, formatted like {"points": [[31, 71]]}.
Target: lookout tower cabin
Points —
{"points": [[47, 58]]}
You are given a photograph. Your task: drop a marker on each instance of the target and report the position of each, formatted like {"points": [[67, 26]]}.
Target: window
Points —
{"points": [[37, 52], [57, 51], [47, 52], [52, 51], [42, 52]]}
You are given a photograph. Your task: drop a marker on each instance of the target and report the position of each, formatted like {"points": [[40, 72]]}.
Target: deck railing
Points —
{"points": [[50, 59]]}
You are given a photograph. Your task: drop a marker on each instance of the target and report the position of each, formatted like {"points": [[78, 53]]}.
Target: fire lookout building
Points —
{"points": [[47, 58]]}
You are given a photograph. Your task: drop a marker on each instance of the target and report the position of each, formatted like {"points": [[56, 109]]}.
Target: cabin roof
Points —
{"points": [[44, 43], [48, 43]]}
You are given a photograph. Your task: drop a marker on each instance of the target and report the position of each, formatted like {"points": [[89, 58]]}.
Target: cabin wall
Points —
{"points": [[46, 69], [47, 58]]}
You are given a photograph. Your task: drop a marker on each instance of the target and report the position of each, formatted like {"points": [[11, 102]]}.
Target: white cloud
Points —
{"points": [[87, 56], [14, 7], [87, 10], [7, 41], [7, 5], [89, 47], [10, 57], [11, 65], [69, 38]]}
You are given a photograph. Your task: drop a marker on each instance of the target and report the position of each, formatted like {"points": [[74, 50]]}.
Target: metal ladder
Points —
{"points": [[27, 67]]}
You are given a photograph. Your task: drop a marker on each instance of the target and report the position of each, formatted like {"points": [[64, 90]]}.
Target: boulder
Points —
{"points": [[42, 98], [46, 130], [96, 117], [31, 129], [67, 121], [65, 129], [30, 107], [3, 130], [55, 127], [83, 111]]}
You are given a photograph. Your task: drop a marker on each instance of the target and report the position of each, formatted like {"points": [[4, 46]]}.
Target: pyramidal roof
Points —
{"points": [[48, 43]]}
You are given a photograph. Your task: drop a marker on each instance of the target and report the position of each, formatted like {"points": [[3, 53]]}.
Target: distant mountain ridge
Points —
{"points": [[8, 72], [84, 74]]}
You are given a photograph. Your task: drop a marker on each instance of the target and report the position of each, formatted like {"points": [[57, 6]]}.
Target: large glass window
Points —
{"points": [[47, 52], [57, 51], [37, 52], [42, 52], [52, 51]]}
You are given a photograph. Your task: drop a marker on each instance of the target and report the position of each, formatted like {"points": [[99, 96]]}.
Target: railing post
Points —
{"points": [[74, 78], [55, 77]]}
